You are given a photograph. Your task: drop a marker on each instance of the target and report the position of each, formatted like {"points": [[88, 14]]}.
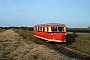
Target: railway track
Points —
{"points": [[60, 47]]}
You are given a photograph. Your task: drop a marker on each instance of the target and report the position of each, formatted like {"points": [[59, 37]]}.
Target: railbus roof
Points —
{"points": [[51, 25]]}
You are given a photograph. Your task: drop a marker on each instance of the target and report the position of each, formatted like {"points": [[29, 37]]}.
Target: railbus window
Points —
{"points": [[43, 28], [38, 28], [47, 29], [57, 29], [54, 29], [60, 29]]}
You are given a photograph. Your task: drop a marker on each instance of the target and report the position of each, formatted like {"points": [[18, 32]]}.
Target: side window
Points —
{"points": [[47, 29], [43, 28], [38, 28], [54, 29], [60, 29]]}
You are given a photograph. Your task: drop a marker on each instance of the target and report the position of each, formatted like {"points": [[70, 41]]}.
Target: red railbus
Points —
{"points": [[51, 32]]}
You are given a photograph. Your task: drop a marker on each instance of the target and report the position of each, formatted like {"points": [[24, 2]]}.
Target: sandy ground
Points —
{"points": [[13, 47]]}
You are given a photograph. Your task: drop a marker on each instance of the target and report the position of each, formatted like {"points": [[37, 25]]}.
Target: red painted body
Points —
{"points": [[51, 36], [56, 36]]}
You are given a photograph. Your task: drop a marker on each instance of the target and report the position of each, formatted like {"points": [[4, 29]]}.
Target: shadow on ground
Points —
{"points": [[70, 38]]}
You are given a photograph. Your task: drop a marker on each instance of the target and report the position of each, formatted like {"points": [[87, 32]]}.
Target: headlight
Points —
{"points": [[52, 34], [65, 34]]}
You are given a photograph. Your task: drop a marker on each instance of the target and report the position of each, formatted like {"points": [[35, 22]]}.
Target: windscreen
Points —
{"points": [[57, 29]]}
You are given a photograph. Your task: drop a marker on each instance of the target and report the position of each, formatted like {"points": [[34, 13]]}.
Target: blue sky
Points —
{"points": [[73, 13]]}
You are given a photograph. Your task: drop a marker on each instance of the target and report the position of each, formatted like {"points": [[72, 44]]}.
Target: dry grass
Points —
{"points": [[15, 47]]}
